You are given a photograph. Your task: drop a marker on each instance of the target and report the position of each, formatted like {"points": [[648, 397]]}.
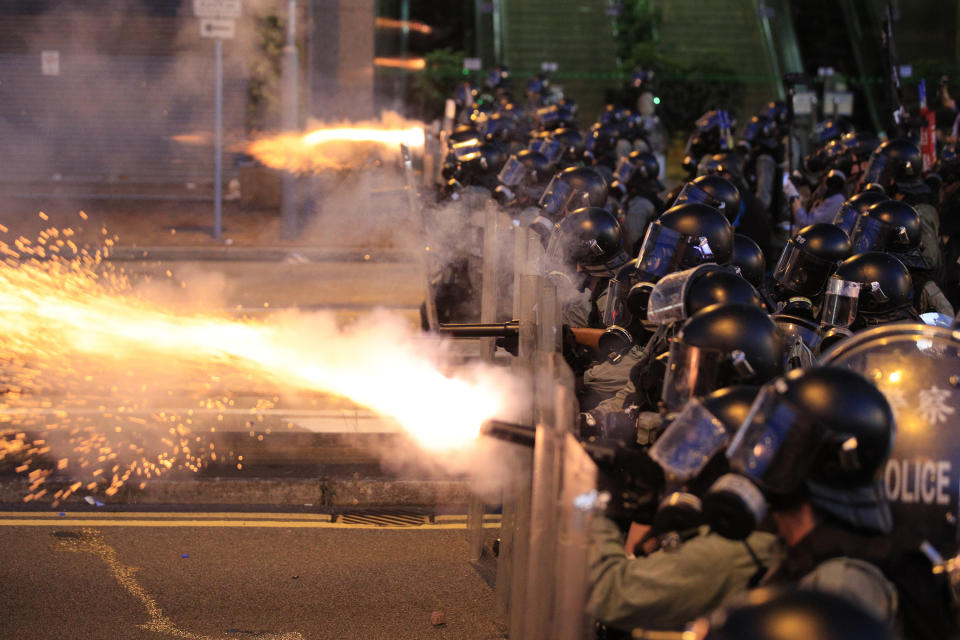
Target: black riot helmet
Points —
{"points": [[716, 191], [761, 133], [808, 260], [801, 614], [856, 147], [681, 294], [601, 145], [895, 162], [867, 289], [637, 172], [749, 258], [889, 225], [571, 189], [720, 346], [554, 116], [855, 206], [684, 236], [829, 130], [824, 157], [822, 433], [524, 168], [478, 166], [589, 239], [522, 178], [572, 143], [501, 127]]}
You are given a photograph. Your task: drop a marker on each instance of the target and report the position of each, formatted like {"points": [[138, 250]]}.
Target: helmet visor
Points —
{"points": [[664, 251], [875, 169], [846, 218], [552, 150], [466, 150], [691, 372], [556, 197], [693, 193], [615, 310], [689, 442], [840, 302], [512, 173], [775, 445], [801, 271], [625, 170], [548, 116], [869, 234], [667, 299]]}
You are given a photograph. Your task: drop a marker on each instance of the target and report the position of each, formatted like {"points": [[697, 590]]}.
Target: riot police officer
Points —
{"points": [[636, 186], [894, 226], [813, 449], [866, 290], [584, 252], [667, 588]]}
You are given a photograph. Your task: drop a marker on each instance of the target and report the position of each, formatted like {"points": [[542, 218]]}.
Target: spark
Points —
{"points": [[89, 361]]}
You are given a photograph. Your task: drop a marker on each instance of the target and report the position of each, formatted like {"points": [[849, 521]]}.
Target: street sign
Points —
{"points": [[472, 64], [218, 28], [217, 8]]}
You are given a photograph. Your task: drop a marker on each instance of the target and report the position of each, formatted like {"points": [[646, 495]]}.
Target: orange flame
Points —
{"points": [[337, 146], [410, 64], [390, 23]]}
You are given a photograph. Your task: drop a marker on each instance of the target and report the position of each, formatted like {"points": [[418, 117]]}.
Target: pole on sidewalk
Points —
{"points": [[288, 206], [218, 145]]}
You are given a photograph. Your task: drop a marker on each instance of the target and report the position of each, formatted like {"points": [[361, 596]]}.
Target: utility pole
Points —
{"points": [[289, 122]]}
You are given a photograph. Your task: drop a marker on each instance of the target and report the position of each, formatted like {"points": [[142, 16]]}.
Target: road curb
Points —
{"points": [[261, 254], [264, 491]]}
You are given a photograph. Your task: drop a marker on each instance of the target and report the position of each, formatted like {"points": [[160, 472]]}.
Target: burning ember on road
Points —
{"points": [[89, 363], [341, 146]]}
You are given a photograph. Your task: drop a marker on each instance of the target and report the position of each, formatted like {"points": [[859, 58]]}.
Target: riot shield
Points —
{"points": [[917, 367]]}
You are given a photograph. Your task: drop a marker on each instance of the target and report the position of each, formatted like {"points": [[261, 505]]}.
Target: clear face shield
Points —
{"points": [[871, 234], [513, 172], [693, 372], [875, 169], [467, 150], [615, 311], [693, 193], [560, 197], [552, 150], [776, 444], [689, 442], [840, 302], [800, 271], [664, 251], [625, 170], [846, 218], [667, 302]]}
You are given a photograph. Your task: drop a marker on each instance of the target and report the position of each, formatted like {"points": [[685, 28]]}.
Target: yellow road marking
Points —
{"points": [[166, 515], [265, 524], [91, 541]]}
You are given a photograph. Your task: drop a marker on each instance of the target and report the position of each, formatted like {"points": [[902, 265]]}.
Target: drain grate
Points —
{"points": [[384, 518]]}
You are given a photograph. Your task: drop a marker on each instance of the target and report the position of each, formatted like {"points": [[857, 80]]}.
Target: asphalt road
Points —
{"points": [[220, 576]]}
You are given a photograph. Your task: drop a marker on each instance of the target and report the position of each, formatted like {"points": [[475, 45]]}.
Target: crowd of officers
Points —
{"points": [[745, 464]]}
